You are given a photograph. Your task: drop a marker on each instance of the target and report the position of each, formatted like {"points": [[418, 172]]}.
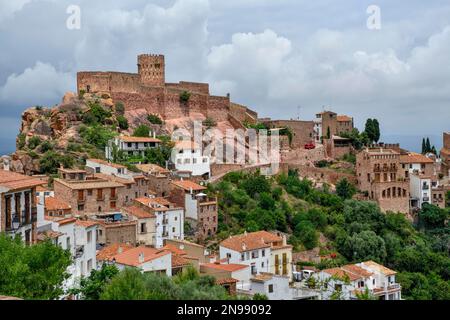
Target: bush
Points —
{"points": [[154, 119], [46, 146], [120, 108], [141, 131], [185, 96], [123, 122], [81, 94], [97, 135], [345, 189], [34, 142], [209, 123], [21, 138]]}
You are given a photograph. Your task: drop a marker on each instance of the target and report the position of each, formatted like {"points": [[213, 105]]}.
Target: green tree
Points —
{"points": [[345, 189], [424, 146], [185, 96], [120, 108], [255, 184], [34, 142], [142, 131], [432, 216], [376, 130], [365, 245], [260, 297], [97, 135], [32, 272], [307, 234], [427, 146], [93, 286]]}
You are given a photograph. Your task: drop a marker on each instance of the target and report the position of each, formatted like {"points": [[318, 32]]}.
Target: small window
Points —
{"points": [[270, 288]]}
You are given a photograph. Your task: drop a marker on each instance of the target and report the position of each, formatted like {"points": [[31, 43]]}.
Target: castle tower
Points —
{"points": [[151, 69]]}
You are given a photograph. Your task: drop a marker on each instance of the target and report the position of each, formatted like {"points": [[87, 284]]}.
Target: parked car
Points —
{"points": [[310, 146]]}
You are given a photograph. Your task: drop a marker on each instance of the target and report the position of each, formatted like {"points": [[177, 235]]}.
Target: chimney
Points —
{"points": [[141, 257]]}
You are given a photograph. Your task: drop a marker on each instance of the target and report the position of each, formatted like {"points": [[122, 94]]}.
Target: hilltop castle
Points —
{"points": [[148, 90]]}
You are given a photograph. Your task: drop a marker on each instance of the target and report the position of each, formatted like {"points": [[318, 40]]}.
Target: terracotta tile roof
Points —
{"points": [[226, 281], [131, 257], [188, 185], [107, 253], [42, 189], [138, 139], [86, 223], [61, 221], [49, 234], [262, 277], [14, 181], [152, 168], [174, 250], [179, 261], [414, 158], [114, 178], [357, 270], [343, 118], [378, 267], [250, 241], [225, 267], [90, 184], [53, 203], [343, 274], [104, 162], [138, 212]]}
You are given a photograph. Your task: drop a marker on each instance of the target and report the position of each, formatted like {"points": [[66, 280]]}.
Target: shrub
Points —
{"points": [[209, 123], [81, 94], [185, 96], [34, 142], [123, 122], [154, 119], [142, 131], [21, 141], [120, 108], [46, 146]]}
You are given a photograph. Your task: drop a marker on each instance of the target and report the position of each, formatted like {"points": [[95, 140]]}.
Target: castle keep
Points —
{"points": [[148, 90]]}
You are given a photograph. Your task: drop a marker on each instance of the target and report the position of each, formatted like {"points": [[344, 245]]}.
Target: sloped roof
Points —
{"points": [[107, 253], [188, 185], [14, 181], [378, 267], [413, 157], [138, 212], [138, 139], [232, 267], [250, 241], [55, 203], [131, 257]]}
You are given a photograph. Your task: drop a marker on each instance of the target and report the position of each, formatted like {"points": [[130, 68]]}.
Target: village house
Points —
{"points": [[18, 210], [350, 281], [132, 146], [224, 271], [146, 259], [262, 251], [181, 261], [158, 178], [332, 123], [201, 211], [445, 154], [136, 185], [188, 157], [381, 176], [115, 227], [89, 195], [146, 224], [168, 219], [191, 249], [86, 246]]}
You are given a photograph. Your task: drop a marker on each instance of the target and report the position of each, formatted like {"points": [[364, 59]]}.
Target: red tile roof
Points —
{"points": [[107, 253], [414, 158], [174, 249], [131, 257], [250, 241], [14, 181], [188, 185], [104, 162], [86, 223], [53, 203], [138, 212], [138, 139], [344, 118], [225, 267]]}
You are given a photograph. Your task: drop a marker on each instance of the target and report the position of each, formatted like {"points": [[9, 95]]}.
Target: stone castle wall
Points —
{"points": [[147, 90]]}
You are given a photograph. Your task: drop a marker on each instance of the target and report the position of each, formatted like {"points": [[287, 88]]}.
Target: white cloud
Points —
{"points": [[41, 84]]}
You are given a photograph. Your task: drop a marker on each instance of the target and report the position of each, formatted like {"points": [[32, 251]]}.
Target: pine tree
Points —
{"points": [[370, 130], [423, 146], [428, 146], [376, 128]]}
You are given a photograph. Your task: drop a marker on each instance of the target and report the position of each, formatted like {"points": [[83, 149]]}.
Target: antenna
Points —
{"points": [[298, 112]]}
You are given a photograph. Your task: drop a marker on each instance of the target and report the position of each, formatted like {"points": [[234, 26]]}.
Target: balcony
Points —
{"points": [[79, 251], [425, 187]]}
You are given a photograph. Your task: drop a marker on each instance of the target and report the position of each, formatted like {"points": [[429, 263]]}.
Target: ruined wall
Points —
{"points": [[124, 82], [303, 156], [322, 175], [303, 131], [93, 81]]}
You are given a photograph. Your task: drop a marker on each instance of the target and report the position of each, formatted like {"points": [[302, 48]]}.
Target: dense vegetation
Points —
{"points": [[354, 230], [32, 272], [131, 284]]}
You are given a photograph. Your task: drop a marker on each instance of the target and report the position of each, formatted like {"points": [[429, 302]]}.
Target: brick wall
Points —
{"points": [[303, 131]]}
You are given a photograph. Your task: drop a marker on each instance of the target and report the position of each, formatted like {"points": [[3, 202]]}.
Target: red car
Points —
{"points": [[310, 146]]}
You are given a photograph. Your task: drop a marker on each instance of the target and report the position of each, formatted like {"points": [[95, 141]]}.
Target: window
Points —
{"points": [[89, 265], [270, 288], [205, 160], [242, 257], [81, 207], [176, 218], [143, 227], [68, 243], [179, 161], [263, 252], [113, 204], [173, 230], [228, 255], [129, 144], [89, 192], [262, 264], [187, 161], [89, 236]]}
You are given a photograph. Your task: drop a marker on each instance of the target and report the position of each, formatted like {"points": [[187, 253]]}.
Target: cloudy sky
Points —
{"points": [[272, 55]]}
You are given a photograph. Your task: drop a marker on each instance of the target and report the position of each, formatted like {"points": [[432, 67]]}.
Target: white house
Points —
{"points": [[132, 146], [105, 167], [224, 270], [420, 190], [85, 246], [187, 156], [262, 251], [348, 281], [146, 259], [169, 223], [274, 287]]}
